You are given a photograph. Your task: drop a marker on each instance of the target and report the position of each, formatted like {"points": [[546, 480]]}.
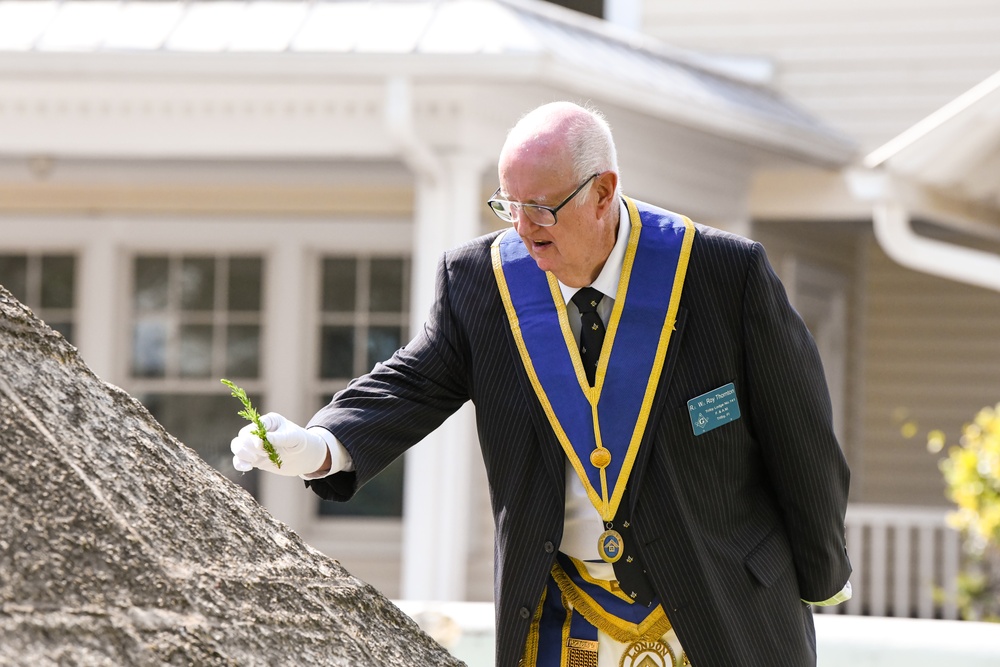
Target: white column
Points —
{"points": [[284, 369], [98, 326], [437, 489]]}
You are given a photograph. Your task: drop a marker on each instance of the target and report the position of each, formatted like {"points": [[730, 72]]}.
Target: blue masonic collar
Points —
{"points": [[599, 428]]}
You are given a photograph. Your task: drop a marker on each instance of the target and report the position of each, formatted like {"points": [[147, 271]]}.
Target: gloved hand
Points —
{"points": [[301, 451]]}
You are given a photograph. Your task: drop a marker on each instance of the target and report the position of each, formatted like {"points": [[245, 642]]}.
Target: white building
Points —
{"points": [[260, 191]]}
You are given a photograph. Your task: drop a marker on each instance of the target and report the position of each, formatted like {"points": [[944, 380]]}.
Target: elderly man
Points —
{"points": [[665, 482]]}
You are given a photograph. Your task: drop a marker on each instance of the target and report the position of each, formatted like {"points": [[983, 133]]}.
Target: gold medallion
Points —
{"points": [[600, 458], [610, 546]]}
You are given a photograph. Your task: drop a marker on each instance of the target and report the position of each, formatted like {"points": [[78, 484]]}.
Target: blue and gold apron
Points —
{"points": [[582, 617]]}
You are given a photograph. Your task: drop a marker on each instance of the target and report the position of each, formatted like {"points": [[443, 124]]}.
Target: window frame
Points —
{"points": [[172, 381], [362, 319]]}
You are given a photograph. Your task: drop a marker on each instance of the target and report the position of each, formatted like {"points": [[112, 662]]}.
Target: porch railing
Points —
{"points": [[906, 562]]}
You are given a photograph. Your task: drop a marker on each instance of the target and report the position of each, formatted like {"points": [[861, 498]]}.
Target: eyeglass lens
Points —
{"points": [[509, 212]]}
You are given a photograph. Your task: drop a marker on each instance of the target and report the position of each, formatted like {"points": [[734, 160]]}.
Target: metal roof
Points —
{"points": [[542, 40]]}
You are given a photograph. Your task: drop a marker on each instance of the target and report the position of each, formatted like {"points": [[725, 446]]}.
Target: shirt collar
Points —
{"points": [[607, 280]]}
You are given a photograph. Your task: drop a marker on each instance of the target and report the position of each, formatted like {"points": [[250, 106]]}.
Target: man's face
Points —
{"points": [[576, 247]]}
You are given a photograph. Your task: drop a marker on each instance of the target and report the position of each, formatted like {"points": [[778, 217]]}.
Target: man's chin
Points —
{"points": [[545, 264], [544, 260]]}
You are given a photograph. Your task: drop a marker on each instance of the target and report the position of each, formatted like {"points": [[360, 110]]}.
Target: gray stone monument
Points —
{"points": [[120, 546]]}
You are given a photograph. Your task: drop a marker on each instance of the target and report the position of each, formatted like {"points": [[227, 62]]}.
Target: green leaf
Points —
{"points": [[249, 412]]}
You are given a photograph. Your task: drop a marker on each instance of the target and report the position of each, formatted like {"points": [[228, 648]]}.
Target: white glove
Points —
{"points": [[301, 452]]}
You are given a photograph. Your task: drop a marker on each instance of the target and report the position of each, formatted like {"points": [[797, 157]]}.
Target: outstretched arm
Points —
{"points": [[381, 414]]}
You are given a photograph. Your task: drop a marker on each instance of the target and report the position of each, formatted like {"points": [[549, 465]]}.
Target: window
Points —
{"points": [[44, 283], [196, 319], [364, 310]]}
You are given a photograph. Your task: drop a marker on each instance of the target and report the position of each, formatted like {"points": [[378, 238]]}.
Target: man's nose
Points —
{"points": [[522, 223]]}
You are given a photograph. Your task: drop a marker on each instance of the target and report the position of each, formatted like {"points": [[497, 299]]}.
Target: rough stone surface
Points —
{"points": [[120, 546]]}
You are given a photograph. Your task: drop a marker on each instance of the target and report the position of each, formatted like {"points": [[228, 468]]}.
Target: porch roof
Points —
{"points": [[526, 41], [946, 169], [955, 150]]}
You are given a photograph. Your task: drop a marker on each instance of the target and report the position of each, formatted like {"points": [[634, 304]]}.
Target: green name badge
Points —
{"points": [[713, 409]]}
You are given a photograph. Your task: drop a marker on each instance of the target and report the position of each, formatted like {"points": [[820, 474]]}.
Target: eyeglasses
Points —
{"points": [[543, 216]]}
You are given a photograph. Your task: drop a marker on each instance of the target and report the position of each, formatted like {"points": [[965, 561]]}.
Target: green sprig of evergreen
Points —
{"points": [[249, 412]]}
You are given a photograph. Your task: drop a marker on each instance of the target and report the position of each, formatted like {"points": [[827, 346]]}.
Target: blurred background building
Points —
{"points": [[260, 190]]}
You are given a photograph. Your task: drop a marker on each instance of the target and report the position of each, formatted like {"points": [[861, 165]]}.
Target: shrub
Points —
{"points": [[972, 474]]}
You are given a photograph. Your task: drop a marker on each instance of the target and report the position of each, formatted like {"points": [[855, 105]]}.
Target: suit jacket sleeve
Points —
{"points": [[792, 416], [379, 415]]}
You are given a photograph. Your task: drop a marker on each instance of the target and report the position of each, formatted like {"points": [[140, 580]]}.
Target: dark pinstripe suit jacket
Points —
{"points": [[734, 526]]}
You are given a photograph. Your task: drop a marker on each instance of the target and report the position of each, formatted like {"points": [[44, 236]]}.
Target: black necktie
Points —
{"points": [[629, 569], [591, 330]]}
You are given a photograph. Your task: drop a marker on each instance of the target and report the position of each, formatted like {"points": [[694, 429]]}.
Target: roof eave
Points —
{"points": [[826, 149]]}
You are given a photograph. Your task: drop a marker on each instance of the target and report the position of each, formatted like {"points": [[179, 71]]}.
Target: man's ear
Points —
{"points": [[605, 186]]}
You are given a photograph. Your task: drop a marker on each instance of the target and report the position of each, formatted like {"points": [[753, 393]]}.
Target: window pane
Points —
{"points": [[14, 274], [149, 349], [243, 351], [197, 284], [387, 286], [207, 423], [244, 283], [337, 352], [196, 350], [339, 285], [57, 281], [382, 496], [186, 341], [382, 342], [151, 283]]}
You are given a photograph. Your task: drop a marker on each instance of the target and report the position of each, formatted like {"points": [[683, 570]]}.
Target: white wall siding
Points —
{"points": [[932, 359], [922, 353], [870, 68]]}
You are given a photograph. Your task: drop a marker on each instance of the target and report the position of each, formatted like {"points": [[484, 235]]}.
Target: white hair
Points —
{"points": [[591, 146], [587, 135]]}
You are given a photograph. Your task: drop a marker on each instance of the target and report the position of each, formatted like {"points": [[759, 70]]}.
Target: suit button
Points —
{"points": [[549, 547], [524, 612]]}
